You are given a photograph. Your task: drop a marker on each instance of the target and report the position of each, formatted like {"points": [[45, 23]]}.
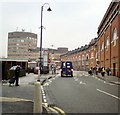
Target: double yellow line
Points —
{"points": [[57, 110]]}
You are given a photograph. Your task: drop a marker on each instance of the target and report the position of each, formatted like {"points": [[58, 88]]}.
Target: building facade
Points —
{"points": [[84, 57], [109, 38], [103, 51], [20, 43]]}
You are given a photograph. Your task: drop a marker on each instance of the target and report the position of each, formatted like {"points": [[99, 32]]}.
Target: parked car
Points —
{"points": [[11, 72], [66, 69]]}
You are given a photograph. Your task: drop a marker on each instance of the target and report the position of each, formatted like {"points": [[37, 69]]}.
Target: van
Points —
{"points": [[66, 69]]}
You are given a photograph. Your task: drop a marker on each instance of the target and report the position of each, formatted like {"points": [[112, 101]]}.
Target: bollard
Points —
{"points": [[38, 75], [37, 98]]}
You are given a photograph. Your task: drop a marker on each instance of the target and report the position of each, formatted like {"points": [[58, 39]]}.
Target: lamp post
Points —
{"points": [[41, 27]]}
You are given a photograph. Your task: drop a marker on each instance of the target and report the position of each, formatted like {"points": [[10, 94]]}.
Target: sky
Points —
{"points": [[71, 23]]}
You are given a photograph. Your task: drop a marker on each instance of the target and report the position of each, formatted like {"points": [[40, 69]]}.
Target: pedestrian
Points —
{"points": [[108, 71], [103, 71], [90, 71], [96, 69], [17, 71], [54, 70]]}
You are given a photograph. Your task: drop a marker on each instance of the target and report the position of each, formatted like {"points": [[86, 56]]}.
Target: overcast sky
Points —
{"points": [[72, 23]]}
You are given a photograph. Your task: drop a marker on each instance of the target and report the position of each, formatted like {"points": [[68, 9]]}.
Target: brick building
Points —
{"points": [[103, 51], [109, 38]]}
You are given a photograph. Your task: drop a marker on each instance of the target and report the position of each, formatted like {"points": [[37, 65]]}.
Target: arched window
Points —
{"points": [[114, 36]]}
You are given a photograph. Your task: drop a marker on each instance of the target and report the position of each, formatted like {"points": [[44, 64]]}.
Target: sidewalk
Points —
{"points": [[111, 79], [20, 99]]}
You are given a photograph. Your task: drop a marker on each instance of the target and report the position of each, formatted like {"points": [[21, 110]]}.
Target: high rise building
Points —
{"points": [[20, 44]]}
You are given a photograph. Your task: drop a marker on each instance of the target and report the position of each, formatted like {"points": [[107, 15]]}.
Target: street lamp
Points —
{"points": [[40, 65]]}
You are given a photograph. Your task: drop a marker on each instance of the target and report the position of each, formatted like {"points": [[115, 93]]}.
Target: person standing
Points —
{"points": [[108, 71], [103, 71], [17, 70]]}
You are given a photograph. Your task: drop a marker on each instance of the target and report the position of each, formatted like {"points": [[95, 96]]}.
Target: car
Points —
{"points": [[11, 72], [66, 69]]}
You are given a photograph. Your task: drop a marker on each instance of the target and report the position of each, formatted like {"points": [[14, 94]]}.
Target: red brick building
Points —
{"points": [[104, 50], [109, 38]]}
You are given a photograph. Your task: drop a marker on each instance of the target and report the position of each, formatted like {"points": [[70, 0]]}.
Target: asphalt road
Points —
{"points": [[82, 94]]}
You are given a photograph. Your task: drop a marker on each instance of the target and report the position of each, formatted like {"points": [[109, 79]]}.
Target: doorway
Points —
{"points": [[114, 69]]}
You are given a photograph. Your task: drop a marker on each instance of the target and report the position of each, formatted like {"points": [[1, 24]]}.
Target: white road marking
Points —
{"points": [[43, 91], [80, 82], [104, 81], [108, 94], [83, 83], [44, 97], [45, 100], [46, 84], [45, 104], [76, 79]]}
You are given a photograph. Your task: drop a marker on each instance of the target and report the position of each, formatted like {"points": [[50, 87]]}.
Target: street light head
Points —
{"points": [[49, 9]]}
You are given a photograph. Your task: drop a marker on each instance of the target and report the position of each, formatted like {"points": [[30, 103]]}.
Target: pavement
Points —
{"points": [[111, 79], [20, 99]]}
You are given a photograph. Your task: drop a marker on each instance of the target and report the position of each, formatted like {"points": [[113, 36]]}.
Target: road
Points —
{"points": [[82, 94]]}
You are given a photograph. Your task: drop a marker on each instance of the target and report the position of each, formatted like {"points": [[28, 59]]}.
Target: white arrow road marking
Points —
{"points": [[108, 94]]}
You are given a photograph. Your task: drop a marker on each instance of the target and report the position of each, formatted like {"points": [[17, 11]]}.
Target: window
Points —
{"points": [[114, 36], [87, 60], [18, 40], [22, 40], [107, 43], [82, 59], [102, 45]]}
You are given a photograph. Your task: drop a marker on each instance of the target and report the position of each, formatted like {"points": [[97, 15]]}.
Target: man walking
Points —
{"points": [[17, 70], [108, 71]]}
